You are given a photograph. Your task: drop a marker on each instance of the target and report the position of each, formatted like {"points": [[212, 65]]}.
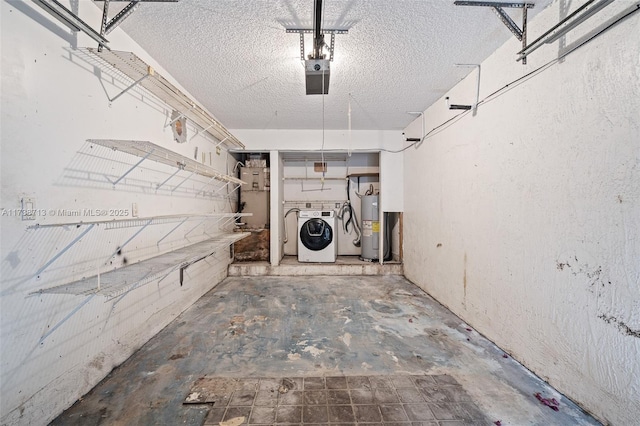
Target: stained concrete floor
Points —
{"points": [[278, 330]]}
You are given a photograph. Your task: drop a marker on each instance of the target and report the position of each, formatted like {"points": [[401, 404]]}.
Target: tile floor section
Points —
{"points": [[370, 400]]}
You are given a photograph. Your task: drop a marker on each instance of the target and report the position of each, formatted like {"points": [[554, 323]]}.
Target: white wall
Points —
{"points": [[277, 209], [524, 219], [325, 196], [53, 100], [311, 140]]}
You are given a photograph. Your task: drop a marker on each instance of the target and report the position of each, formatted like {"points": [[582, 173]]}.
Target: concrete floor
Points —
{"points": [[266, 329]]}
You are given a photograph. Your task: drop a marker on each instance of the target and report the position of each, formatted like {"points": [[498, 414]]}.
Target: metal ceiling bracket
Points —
{"points": [[301, 46], [70, 19], [303, 31], [508, 22], [109, 25], [521, 34], [104, 22], [310, 31], [333, 43], [121, 16], [580, 15]]}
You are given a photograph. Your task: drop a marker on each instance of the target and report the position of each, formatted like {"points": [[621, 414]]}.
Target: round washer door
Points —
{"points": [[316, 234]]}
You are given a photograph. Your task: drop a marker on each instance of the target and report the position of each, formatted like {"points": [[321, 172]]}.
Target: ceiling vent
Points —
{"points": [[317, 76]]}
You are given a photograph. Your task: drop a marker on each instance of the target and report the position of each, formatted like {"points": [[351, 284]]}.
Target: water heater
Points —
{"points": [[370, 228]]}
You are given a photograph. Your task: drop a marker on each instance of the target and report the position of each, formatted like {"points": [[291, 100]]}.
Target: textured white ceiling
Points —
{"points": [[235, 57]]}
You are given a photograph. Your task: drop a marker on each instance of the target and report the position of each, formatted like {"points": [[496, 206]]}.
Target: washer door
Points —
{"points": [[316, 234]]}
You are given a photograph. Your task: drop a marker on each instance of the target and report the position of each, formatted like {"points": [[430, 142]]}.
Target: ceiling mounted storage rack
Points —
{"points": [[150, 151], [574, 19], [303, 31], [145, 76], [73, 21], [520, 33]]}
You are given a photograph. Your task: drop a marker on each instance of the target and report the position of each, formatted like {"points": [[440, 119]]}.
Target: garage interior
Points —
{"points": [[320, 212]]}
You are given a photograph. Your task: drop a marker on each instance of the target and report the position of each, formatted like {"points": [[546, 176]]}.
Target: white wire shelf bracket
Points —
{"points": [[119, 281], [150, 151], [144, 75], [141, 223]]}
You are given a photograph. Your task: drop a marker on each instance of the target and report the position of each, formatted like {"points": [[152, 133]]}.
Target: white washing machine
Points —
{"points": [[317, 239]]}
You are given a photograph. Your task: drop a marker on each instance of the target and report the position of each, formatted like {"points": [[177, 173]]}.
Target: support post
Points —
{"points": [[105, 19]]}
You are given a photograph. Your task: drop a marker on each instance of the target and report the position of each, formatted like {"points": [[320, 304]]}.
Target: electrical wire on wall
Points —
{"points": [[630, 11]]}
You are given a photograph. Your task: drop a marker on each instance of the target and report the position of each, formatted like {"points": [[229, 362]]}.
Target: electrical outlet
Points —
{"points": [[134, 210], [28, 207]]}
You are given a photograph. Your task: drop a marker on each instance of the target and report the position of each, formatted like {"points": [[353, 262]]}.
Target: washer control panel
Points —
{"points": [[316, 213]]}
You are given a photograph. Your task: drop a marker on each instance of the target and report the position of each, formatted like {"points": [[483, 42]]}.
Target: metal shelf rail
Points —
{"points": [[144, 75], [127, 223], [122, 280], [148, 150]]}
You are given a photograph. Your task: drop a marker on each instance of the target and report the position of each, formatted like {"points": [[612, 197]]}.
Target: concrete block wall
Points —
{"points": [[56, 347], [523, 219]]}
